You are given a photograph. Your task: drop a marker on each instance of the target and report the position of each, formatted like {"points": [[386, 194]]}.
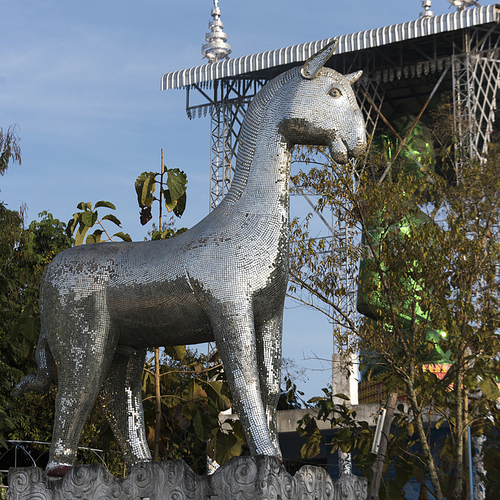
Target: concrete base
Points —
{"points": [[250, 478]]}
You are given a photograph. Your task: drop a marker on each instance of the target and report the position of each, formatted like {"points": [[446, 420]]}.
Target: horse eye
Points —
{"points": [[335, 92]]}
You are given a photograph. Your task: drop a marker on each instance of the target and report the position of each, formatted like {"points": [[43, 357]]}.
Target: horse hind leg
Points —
{"points": [[82, 341], [121, 401], [79, 384], [45, 373]]}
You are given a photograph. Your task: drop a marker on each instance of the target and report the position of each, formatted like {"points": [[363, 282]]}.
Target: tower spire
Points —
{"points": [[426, 4], [216, 47], [463, 4]]}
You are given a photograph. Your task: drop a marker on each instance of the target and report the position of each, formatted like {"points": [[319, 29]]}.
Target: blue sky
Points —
{"points": [[82, 81]]}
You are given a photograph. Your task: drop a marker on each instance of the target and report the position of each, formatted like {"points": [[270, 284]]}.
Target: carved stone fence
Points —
{"points": [[245, 478]]}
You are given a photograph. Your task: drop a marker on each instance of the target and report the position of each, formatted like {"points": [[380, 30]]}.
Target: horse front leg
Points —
{"points": [[233, 327], [269, 340]]}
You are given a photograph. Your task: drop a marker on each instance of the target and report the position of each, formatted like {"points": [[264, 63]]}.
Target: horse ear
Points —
{"points": [[317, 61], [353, 77]]}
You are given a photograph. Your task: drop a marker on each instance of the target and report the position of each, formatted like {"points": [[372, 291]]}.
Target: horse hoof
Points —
{"points": [[55, 470]]}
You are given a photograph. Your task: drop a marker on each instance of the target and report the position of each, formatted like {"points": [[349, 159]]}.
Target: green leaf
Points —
{"points": [[175, 196], [215, 393], [95, 237], [181, 205], [123, 236], [224, 446], [346, 447], [176, 352], [73, 223], [106, 204], [147, 378], [112, 218], [341, 396], [84, 206], [89, 218], [80, 235], [145, 187], [440, 422], [194, 391], [176, 183], [202, 426], [238, 430], [169, 203], [311, 447], [410, 428]]}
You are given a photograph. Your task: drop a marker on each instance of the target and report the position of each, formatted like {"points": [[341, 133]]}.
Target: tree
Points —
{"points": [[174, 198], [9, 148], [194, 392], [24, 253], [88, 218], [430, 250], [190, 390]]}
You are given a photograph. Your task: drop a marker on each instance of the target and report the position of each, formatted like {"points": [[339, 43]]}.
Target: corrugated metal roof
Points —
{"points": [[347, 43]]}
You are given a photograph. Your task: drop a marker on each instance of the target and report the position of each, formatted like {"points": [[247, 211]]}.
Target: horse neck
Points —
{"points": [[263, 160], [267, 187]]}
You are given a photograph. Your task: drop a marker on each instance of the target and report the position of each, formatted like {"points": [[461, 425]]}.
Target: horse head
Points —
{"points": [[323, 109]]}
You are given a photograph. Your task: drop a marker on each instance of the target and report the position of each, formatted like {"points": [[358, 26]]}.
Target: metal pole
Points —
{"points": [[160, 228], [471, 476]]}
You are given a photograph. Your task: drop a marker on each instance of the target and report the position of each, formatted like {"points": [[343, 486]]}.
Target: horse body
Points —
{"points": [[224, 280]]}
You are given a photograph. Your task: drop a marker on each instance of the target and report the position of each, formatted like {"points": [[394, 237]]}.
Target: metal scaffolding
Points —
{"points": [[227, 107], [476, 78], [395, 74]]}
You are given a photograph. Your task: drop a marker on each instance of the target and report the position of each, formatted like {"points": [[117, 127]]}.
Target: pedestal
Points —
{"points": [[247, 478]]}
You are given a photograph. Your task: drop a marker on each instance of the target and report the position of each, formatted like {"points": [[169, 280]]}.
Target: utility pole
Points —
{"points": [[156, 447], [378, 465]]}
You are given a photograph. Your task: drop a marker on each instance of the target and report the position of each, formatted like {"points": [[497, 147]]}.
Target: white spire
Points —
{"points": [[216, 47], [426, 4], [463, 4]]}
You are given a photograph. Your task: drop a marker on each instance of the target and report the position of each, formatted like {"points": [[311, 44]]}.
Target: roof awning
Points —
{"points": [[347, 43]]}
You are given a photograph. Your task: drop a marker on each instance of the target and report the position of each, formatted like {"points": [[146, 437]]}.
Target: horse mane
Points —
{"points": [[250, 129]]}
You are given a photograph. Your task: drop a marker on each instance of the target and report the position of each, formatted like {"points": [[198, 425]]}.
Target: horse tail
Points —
{"points": [[45, 374]]}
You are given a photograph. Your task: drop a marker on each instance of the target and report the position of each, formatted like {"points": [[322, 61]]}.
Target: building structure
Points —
{"points": [[407, 63]]}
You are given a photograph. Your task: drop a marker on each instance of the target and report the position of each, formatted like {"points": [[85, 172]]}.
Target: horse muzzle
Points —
{"points": [[341, 150]]}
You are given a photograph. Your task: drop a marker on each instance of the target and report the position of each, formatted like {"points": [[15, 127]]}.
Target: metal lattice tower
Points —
{"points": [[226, 101], [232, 100], [476, 78]]}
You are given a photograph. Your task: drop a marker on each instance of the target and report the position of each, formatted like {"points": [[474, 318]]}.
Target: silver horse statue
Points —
{"points": [[224, 280]]}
